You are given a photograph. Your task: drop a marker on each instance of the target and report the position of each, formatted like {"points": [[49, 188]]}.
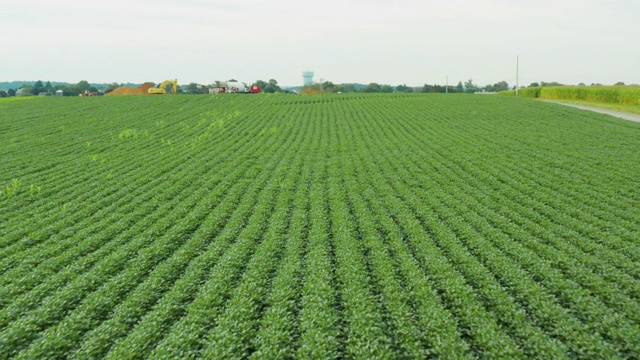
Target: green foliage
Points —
{"points": [[128, 134], [11, 190], [629, 95], [404, 88], [331, 226]]}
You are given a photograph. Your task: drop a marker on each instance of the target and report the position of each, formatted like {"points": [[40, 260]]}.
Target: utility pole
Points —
{"points": [[517, 72], [446, 88]]}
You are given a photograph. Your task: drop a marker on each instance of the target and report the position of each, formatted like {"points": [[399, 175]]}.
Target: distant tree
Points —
{"points": [[328, 87], [500, 86], [596, 84], [372, 88], [194, 88], [470, 87], [111, 87], [426, 88], [26, 90], [269, 87], [3, 94], [38, 88], [534, 84], [232, 80], [72, 90], [582, 84], [350, 88], [48, 86], [83, 85], [315, 87], [619, 83], [459, 88], [404, 88], [552, 83], [386, 89], [11, 92]]}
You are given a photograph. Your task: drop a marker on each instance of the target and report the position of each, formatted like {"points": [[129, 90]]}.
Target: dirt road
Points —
{"points": [[618, 114]]}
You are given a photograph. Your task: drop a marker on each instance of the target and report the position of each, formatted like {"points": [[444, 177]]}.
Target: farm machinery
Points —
{"points": [[161, 89], [234, 87]]}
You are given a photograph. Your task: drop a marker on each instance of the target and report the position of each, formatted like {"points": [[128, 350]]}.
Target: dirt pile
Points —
{"points": [[310, 91], [146, 86], [128, 90]]}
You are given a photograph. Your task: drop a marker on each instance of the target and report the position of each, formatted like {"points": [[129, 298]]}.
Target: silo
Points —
{"points": [[307, 78], [58, 92]]}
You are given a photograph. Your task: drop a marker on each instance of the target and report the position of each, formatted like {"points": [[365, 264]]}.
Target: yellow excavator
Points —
{"points": [[161, 89]]}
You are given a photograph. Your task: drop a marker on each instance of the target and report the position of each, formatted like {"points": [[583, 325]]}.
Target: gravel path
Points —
{"points": [[618, 114]]}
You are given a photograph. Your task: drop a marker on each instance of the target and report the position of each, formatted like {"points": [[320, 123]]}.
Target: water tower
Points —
{"points": [[307, 78]]}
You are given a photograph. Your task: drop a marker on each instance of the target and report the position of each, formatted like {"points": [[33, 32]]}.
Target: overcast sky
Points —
{"points": [[384, 41]]}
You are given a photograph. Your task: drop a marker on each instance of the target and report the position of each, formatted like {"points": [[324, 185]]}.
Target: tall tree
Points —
{"points": [[38, 88], [83, 85], [470, 87]]}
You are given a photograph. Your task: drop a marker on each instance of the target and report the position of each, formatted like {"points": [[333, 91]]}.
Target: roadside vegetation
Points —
{"points": [[618, 98]]}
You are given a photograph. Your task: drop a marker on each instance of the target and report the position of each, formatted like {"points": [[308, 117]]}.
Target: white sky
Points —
{"points": [[384, 41]]}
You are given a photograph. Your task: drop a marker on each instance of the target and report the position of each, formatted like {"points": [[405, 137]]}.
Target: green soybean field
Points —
{"points": [[337, 226]]}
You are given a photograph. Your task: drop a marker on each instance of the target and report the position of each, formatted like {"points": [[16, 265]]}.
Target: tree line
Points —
{"points": [[272, 86], [468, 87], [41, 88]]}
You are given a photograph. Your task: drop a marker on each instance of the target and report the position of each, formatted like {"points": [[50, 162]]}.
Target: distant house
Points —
{"points": [[22, 92]]}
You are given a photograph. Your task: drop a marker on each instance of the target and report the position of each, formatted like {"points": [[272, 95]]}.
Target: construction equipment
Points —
{"points": [[161, 89], [233, 87]]}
